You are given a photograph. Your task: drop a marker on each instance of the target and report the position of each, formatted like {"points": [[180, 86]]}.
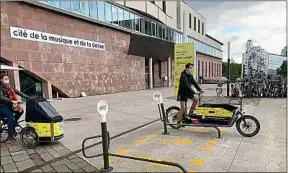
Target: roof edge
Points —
{"points": [[214, 39]]}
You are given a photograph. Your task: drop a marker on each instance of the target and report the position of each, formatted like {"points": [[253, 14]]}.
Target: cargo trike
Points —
{"points": [[215, 115]]}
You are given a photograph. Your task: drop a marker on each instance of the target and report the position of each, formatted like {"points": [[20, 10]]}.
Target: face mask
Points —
{"points": [[189, 71], [6, 81]]}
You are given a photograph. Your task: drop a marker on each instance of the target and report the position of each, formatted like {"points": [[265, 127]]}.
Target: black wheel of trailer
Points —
{"points": [[29, 137], [248, 126], [3, 132], [172, 114]]}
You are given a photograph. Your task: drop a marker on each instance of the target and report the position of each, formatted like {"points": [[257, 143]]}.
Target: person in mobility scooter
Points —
{"points": [[185, 92], [10, 110], [43, 122]]}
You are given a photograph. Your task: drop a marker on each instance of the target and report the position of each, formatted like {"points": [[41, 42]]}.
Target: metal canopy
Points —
{"points": [[6, 67], [146, 46]]}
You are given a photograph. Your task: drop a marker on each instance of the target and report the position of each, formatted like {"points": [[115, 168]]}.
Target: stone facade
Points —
{"points": [[71, 69]]}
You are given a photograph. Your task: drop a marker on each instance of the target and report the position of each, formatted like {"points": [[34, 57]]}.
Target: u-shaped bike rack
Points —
{"points": [[102, 109]]}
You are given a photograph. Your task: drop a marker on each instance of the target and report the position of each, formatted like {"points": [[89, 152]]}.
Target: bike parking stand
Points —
{"points": [[102, 108], [157, 96], [218, 131]]}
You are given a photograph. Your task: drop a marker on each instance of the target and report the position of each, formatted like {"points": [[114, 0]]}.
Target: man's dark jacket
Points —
{"points": [[186, 81]]}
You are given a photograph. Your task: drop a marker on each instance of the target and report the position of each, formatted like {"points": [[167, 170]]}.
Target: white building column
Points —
{"points": [[150, 73], [185, 37], [14, 78], [47, 90], [169, 72]]}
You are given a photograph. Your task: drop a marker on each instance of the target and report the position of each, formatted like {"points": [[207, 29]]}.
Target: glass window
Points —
{"points": [[93, 9], [55, 3], [153, 29], [142, 25], [66, 5], [181, 40], [148, 27], [108, 12], [115, 15], [132, 20], [121, 17], [101, 10], [137, 23], [76, 6], [127, 19], [159, 31], [171, 36], [168, 34], [85, 8], [164, 33]]}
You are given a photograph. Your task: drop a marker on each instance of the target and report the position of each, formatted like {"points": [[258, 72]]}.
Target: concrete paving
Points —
{"points": [[197, 149]]}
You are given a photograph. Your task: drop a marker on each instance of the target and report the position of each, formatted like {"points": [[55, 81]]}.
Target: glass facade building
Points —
{"points": [[113, 14], [274, 62]]}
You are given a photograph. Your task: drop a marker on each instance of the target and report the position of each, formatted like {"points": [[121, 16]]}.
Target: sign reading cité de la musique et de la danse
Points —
{"points": [[32, 35]]}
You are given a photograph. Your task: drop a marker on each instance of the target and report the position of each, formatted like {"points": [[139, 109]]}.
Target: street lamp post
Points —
{"points": [[228, 71]]}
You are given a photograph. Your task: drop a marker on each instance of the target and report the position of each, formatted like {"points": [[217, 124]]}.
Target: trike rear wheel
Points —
{"points": [[245, 124], [172, 114], [29, 137], [3, 132]]}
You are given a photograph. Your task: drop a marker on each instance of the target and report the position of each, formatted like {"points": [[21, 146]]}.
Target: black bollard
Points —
{"points": [[105, 139], [164, 119]]}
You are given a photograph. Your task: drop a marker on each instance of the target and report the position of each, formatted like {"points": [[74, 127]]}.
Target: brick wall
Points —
{"points": [[158, 79], [71, 69]]}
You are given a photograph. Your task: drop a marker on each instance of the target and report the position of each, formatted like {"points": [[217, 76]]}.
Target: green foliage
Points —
{"points": [[282, 71], [235, 70]]}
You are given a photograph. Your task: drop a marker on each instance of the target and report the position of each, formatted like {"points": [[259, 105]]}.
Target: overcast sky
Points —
{"points": [[264, 22]]}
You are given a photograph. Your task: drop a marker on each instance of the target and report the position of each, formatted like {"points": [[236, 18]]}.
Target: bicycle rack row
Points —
{"points": [[102, 108]]}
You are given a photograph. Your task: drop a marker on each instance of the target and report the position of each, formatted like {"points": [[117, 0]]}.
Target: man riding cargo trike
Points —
{"points": [[207, 115]]}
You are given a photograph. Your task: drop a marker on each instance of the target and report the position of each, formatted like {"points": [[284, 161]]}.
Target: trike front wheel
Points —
{"points": [[3, 132], [246, 124], [172, 116], [29, 137]]}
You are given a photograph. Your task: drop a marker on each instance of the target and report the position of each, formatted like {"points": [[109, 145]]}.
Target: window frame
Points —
{"points": [[195, 24], [198, 25], [190, 20]]}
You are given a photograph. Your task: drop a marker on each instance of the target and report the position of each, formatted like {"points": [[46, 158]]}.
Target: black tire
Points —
{"points": [[29, 142], [172, 115], [3, 132], [246, 117]]}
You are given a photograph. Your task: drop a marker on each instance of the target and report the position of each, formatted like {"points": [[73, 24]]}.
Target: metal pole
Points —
{"points": [[228, 71], [164, 119]]}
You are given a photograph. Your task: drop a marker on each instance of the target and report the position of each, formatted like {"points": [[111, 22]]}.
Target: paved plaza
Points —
{"points": [[197, 149]]}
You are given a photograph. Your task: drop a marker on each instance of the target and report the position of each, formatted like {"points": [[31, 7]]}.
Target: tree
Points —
{"points": [[235, 70], [282, 70]]}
